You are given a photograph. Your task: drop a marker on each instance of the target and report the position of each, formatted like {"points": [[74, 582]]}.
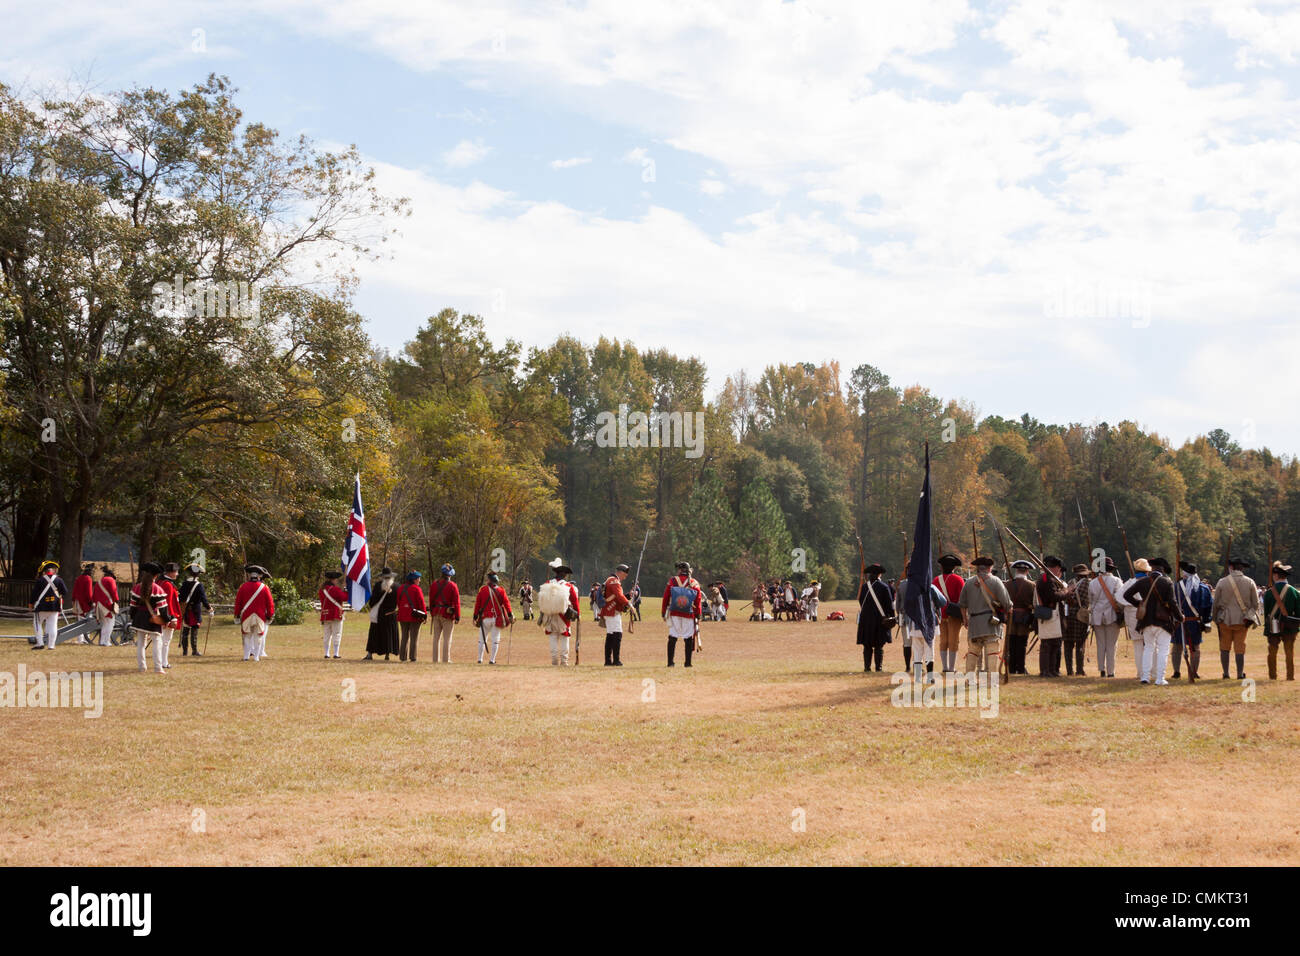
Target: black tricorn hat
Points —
{"points": [[875, 569], [1052, 561], [983, 561], [1110, 564], [949, 561], [171, 566], [151, 567], [683, 565], [333, 575], [1238, 563], [1160, 563], [109, 571], [1187, 566]]}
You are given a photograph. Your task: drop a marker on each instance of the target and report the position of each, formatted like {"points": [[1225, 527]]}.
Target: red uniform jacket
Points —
{"points": [[329, 610], [483, 607], [106, 592], [83, 592], [263, 605], [952, 584], [682, 580], [616, 601], [444, 599], [410, 599], [173, 602]]}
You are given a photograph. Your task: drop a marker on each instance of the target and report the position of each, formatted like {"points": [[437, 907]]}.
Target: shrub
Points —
{"points": [[290, 607]]}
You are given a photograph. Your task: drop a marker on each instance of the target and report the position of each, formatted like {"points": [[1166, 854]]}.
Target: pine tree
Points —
{"points": [[706, 532], [763, 531]]}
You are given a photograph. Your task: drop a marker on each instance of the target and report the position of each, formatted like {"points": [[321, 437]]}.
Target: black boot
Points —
{"points": [[618, 647], [1223, 659], [609, 650], [689, 644], [1241, 666], [672, 650], [907, 658]]}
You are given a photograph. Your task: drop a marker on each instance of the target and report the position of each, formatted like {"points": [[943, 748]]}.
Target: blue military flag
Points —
{"points": [[917, 603]]}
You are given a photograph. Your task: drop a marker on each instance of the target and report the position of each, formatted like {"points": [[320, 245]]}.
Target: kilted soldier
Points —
{"points": [[1281, 618], [1077, 623], [681, 609], [83, 596], [106, 604], [1021, 623], [194, 601], [1105, 614], [444, 613], [875, 618], [526, 599], [558, 608], [254, 609], [148, 615], [1236, 609], [1049, 612], [48, 594], [332, 598], [986, 604], [950, 585], [411, 612], [492, 612], [383, 636], [1194, 602], [1157, 613]]}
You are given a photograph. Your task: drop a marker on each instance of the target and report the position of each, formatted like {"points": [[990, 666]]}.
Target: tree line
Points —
{"points": [[145, 406]]}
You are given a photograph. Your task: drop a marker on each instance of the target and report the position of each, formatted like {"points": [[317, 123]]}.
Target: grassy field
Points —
{"points": [[226, 762]]}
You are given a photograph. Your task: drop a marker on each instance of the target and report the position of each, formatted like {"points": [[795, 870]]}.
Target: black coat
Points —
{"points": [[192, 591], [383, 637], [872, 631]]}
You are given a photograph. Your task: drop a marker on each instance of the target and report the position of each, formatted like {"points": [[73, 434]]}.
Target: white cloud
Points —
{"points": [[466, 153], [712, 187], [569, 163]]}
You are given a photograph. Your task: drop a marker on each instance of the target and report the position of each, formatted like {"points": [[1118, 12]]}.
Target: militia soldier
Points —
{"points": [[254, 607], [613, 605], [382, 637], [526, 599], [148, 615], [757, 598], [1051, 592], [194, 601], [492, 612], [411, 613], [444, 613], [875, 624], [1105, 614], [106, 606], [1236, 609], [1157, 613], [332, 598], [681, 609], [558, 608], [1282, 618], [1140, 570], [950, 585], [918, 653], [1076, 621], [1021, 591], [46, 602], [1194, 602], [985, 603]]}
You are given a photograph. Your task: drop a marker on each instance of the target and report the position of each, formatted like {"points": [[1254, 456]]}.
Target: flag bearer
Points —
{"points": [[332, 598]]}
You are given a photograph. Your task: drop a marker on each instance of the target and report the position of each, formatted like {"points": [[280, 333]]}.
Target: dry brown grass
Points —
{"points": [[775, 717]]}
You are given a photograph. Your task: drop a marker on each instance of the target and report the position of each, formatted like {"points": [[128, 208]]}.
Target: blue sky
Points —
{"points": [[937, 188]]}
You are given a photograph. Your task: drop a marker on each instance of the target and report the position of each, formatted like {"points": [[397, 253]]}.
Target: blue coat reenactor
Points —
{"points": [[48, 595], [1194, 599], [1281, 618]]}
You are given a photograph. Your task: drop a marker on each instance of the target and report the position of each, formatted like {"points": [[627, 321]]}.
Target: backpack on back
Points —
{"points": [[681, 599], [553, 597]]}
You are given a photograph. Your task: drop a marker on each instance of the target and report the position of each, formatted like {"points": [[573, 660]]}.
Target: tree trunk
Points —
{"points": [[31, 538], [72, 536]]}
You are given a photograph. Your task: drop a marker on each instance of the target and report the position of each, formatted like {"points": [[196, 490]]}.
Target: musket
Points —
{"points": [[862, 557], [206, 634], [1083, 526], [1124, 535], [1006, 561], [1178, 605], [1227, 555], [1033, 557], [1042, 552]]}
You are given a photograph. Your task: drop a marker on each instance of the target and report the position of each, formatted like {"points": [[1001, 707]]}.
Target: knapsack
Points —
{"points": [[553, 597], [681, 599]]}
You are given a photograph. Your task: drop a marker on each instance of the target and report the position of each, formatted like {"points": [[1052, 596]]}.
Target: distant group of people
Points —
{"points": [[1164, 617], [785, 601]]}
